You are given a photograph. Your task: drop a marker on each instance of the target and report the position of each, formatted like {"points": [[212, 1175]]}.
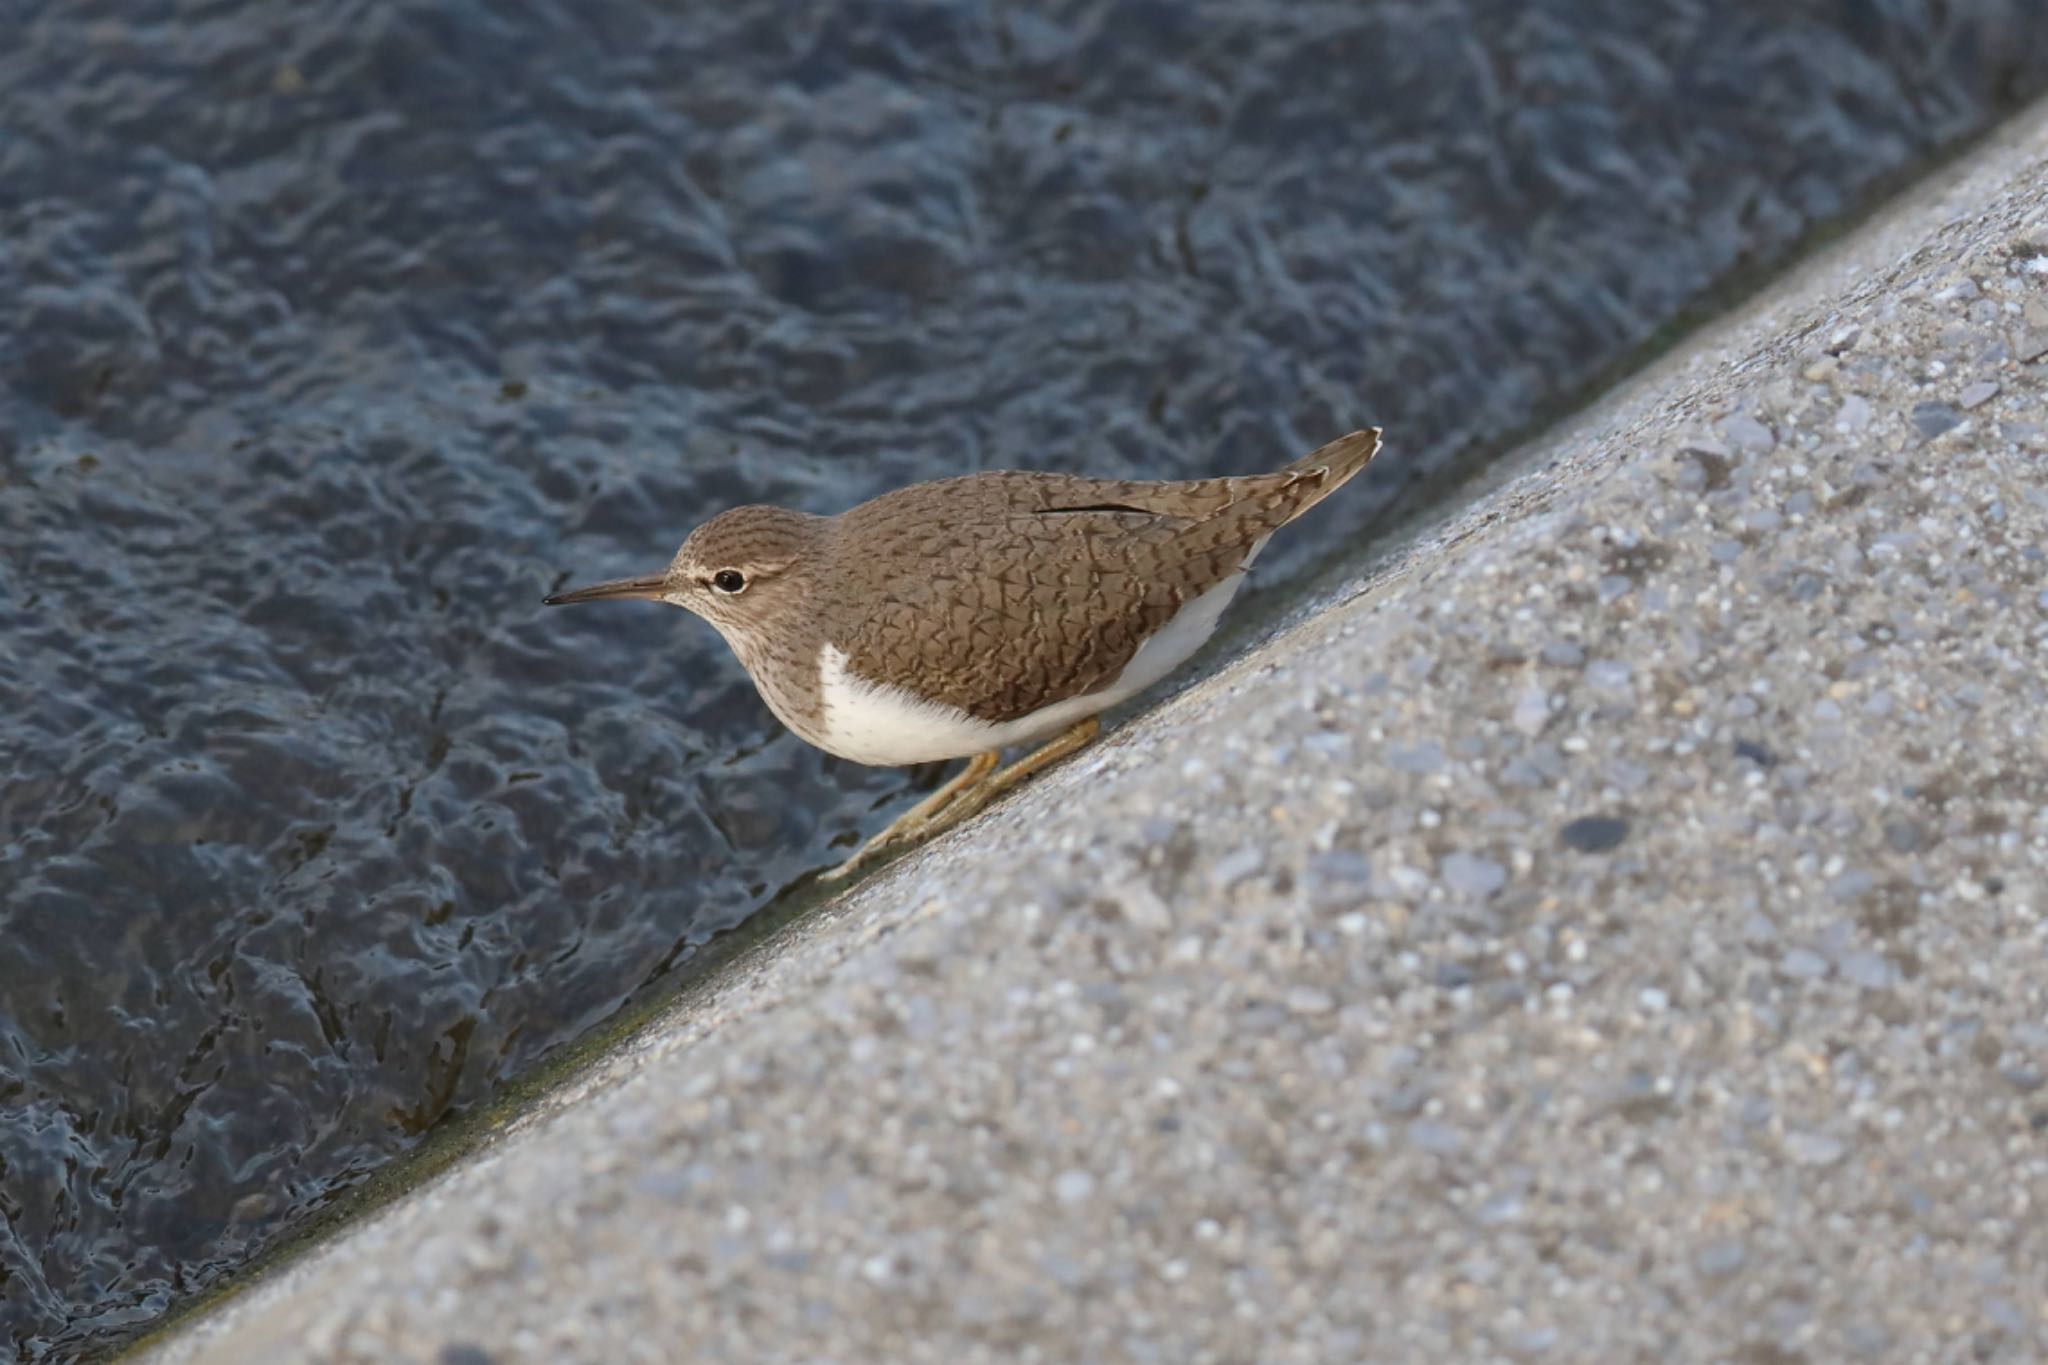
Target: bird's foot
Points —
{"points": [[913, 822]]}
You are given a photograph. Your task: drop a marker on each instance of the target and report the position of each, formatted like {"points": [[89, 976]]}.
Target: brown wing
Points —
{"points": [[1003, 593]]}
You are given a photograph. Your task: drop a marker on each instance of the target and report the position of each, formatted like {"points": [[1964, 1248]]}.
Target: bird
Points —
{"points": [[963, 616]]}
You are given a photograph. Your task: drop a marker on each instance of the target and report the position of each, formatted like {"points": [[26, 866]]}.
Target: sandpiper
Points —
{"points": [[956, 618]]}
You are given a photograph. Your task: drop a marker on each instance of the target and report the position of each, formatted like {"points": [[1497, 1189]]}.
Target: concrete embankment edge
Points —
{"points": [[1615, 926]]}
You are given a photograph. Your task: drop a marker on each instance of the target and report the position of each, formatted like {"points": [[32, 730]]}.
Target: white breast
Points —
{"points": [[876, 723]]}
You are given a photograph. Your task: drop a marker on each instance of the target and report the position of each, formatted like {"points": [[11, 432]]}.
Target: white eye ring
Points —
{"points": [[731, 582]]}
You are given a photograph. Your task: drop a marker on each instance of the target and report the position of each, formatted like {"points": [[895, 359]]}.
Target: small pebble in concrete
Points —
{"points": [[1749, 434], [1867, 969], [1340, 870], [1594, 833], [1755, 753], [1978, 394], [1814, 1149], [1235, 866], [1932, 419], [1609, 675], [1803, 964], [1470, 875], [1720, 1259], [1532, 711], [1438, 1139], [1421, 759], [1309, 1000]]}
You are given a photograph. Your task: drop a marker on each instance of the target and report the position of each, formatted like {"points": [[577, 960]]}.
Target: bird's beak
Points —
{"points": [[651, 589]]}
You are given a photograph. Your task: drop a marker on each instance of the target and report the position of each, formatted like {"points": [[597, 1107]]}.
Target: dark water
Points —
{"points": [[332, 335]]}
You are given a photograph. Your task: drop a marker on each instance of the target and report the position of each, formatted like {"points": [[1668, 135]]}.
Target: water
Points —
{"points": [[333, 335]]}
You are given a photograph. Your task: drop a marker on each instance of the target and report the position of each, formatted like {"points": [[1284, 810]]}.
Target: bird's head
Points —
{"points": [[743, 571]]}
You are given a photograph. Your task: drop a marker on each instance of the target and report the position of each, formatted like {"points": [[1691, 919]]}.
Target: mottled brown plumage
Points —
{"points": [[1004, 592]]}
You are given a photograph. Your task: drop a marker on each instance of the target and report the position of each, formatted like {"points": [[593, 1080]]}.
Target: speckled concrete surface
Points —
{"points": [[1614, 930]]}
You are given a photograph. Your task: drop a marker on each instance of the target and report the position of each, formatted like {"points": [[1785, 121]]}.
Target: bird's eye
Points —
{"points": [[729, 581]]}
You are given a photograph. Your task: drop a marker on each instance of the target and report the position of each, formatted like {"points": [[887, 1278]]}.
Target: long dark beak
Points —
{"points": [[650, 588]]}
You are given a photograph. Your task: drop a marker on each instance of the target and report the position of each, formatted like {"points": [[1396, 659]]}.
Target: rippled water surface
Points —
{"points": [[332, 335]]}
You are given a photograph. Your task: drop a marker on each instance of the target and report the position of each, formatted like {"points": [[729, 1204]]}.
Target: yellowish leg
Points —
{"points": [[978, 767], [1078, 736], [970, 793], [907, 825]]}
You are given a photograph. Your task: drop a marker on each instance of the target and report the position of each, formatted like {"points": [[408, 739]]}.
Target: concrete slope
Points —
{"points": [[1611, 929]]}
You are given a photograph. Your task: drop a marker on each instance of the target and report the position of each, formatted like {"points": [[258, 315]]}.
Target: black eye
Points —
{"points": [[729, 581]]}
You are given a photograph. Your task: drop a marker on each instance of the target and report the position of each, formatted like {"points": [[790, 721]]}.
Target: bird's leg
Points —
{"points": [[978, 767], [1076, 737], [970, 793], [909, 824]]}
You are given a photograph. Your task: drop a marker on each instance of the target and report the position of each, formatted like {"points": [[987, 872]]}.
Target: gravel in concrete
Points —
{"points": [[1614, 930]]}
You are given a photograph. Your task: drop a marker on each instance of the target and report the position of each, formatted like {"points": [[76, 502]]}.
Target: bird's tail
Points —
{"points": [[1332, 466], [1257, 506]]}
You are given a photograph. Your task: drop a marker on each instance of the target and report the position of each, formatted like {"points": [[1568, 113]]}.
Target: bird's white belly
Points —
{"points": [[888, 726]]}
